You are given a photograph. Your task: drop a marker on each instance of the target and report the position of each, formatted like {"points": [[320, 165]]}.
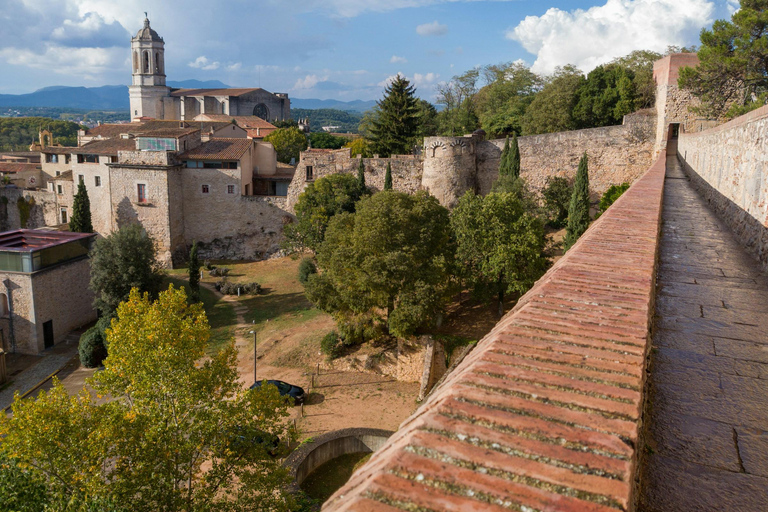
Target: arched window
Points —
{"points": [[261, 111], [158, 68], [135, 62], [146, 62], [4, 310]]}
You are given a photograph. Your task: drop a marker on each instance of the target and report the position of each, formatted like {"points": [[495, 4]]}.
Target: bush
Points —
{"points": [[208, 266], [611, 195], [356, 329], [306, 268], [92, 348], [218, 272], [227, 288], [331, 345], [557, 196]]}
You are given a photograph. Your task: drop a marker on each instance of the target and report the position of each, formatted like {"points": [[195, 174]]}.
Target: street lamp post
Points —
{"points": [[255, 358]]}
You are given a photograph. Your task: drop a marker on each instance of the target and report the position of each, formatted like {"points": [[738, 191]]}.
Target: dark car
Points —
{"points": [[285, 389], [243, 440]]}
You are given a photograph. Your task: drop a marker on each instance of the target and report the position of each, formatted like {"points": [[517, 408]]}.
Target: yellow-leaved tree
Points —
{"points": [[170, 429]]}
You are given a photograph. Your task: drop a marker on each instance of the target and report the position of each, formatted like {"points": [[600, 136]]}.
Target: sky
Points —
{"points": [[332, 49]]}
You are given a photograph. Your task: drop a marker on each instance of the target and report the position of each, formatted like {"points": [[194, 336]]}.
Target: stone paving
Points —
{"points": [[708, 421]]}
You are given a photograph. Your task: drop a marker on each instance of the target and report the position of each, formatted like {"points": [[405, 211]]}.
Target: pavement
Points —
{"points": [[708, 413]]}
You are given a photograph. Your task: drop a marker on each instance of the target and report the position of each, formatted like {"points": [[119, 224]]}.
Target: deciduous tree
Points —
{"points": [[80, 222], [288, 143], [552, 108], [578, 210]]}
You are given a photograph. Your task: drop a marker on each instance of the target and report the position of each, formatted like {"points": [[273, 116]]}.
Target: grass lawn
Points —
{"points": [[221, 315]]}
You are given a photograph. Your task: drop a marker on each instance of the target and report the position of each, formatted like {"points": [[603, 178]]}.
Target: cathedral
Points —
{"points": [[152, 99]]}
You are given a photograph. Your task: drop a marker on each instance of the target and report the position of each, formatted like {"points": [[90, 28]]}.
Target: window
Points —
{"points": [[113, 159], [52, 159], [230, 189], [58, 173], [141, 192], [67, 159], [97, 181], [156, 144], [64, 217], [310, 173], [59, 189], [87, 159], [206, 189]]}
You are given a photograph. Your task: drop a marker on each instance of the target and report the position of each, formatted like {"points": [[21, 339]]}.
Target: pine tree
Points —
{"points": [[503, 161], [361, 177], [578, 211], [194, 274], [388, 178], [513, 160], [396, 126], [80, 222]]}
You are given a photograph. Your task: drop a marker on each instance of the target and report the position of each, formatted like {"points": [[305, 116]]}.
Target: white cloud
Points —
{"points": [[432, 29], [352, 8], [424, 80], [87, 62], [595, 36], [733, 6], [397, 60], [203, 63], [308, 82], [234, 67]]}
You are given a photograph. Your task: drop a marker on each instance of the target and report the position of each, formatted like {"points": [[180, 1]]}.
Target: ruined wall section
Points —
{"points": [[44, 211], [729, 167], [406, 171]]}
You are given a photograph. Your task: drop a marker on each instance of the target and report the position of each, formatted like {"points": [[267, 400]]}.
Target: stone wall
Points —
{"points": [[406, 171], [20, 325], [729, 167], [43, 213], [99, 196], [672, 104]]}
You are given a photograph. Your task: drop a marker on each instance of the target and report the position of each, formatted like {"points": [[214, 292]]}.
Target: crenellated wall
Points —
{"points": [[729, 167]]}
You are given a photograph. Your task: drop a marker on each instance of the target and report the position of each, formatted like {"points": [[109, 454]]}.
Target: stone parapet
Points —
{"points": [[545, 413]]}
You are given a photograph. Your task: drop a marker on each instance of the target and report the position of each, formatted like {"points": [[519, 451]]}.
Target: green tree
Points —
{"points": [[459, 113], [360, 147], [288, 143], [610, 196], [123, 260], [640, 62], [732, 75], [393, 255], [361, 178], [21, 489], [320, 201], [504, 169], [394, 131], [427, 119], [323, 140], [193, 268], [557, 194], [499, 245], [513, 160], [388, 178], [578, 210], [180, 432], [551, 110], [80, 222], [502, 102], [606, 97]]}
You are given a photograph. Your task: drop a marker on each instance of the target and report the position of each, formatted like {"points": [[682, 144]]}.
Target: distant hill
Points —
{"points": [[107, 97], [346, 121], [353, 106], [197, 84]]}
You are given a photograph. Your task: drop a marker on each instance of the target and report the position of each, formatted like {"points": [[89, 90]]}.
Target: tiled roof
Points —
{"points": [[213, 92], [243, 121], [28, 240], [168, 132], [109, 131], [105, 147], [65, 176], [14, 167], [218, 149], [544, 414]]}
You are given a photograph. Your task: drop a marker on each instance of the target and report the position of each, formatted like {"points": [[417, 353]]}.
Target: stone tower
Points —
{"points": [[148, 89]]}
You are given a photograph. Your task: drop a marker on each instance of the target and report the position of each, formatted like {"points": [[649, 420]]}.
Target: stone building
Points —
{"points": [[151, 98], [44, 292]]}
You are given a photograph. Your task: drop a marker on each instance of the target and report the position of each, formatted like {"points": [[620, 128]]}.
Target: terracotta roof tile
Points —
{"points": [[105, 147], [218, 149], [544, 414], [242, 121], [8, 167]]}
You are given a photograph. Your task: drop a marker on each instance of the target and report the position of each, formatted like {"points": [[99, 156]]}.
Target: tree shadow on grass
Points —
{"points": [[270, 306]]}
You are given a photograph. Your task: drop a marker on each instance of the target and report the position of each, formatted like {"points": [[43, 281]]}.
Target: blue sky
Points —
{"points": [[339, 49]]}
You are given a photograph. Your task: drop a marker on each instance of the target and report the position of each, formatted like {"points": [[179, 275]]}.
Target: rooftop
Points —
{"points": [[243, 121], [12, 167], [214, 92], [28, 240], [218, 149]]}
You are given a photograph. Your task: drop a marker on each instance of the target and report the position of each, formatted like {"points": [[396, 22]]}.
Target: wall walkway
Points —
{"points": [[708, 424], [545, 413]]}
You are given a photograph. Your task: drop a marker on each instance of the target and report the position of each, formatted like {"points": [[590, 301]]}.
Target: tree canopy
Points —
{"points": [[387, 263], [288, 143], [606, 97], [552, 108], [732, 75], [323, 140], [179, 433], [395, 129], [123, 260]]}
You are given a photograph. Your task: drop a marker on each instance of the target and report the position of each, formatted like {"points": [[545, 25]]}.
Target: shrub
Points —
{"points": [[611, 195], [92, 348], [218, 272], [208, 266], [331, 345], [356, 329], [306, 268], [557, 196], [227, 288]]}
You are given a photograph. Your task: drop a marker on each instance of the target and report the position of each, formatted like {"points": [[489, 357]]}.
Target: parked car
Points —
{"points": [[285, 389], [244, 439]]}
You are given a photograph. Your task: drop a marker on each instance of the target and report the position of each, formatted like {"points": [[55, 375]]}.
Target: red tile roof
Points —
{"points": [[10, 167], [544, 414], [218, 149], [243, 121], [105, 147]]}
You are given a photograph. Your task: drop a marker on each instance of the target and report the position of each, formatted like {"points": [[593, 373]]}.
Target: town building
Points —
{"points": [[44, 290]]}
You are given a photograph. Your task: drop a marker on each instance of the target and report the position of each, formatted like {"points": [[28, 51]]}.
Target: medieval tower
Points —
{"points": [[148, 87]]}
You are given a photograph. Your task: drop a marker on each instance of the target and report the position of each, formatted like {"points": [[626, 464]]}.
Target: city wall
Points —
{"points": [[729, 167]]}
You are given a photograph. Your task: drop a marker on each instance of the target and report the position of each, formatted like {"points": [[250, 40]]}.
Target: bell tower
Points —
{"points": [[148, 87]]}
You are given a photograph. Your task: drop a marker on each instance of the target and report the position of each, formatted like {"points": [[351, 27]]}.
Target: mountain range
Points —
{"points": [[115, 97]]}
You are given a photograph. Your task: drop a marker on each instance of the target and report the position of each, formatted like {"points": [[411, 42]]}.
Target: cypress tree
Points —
{"points": [[388, 178], [503, 161], [578, 211], [361, 177], [80, 222], [194, 274], [513, 159]]}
